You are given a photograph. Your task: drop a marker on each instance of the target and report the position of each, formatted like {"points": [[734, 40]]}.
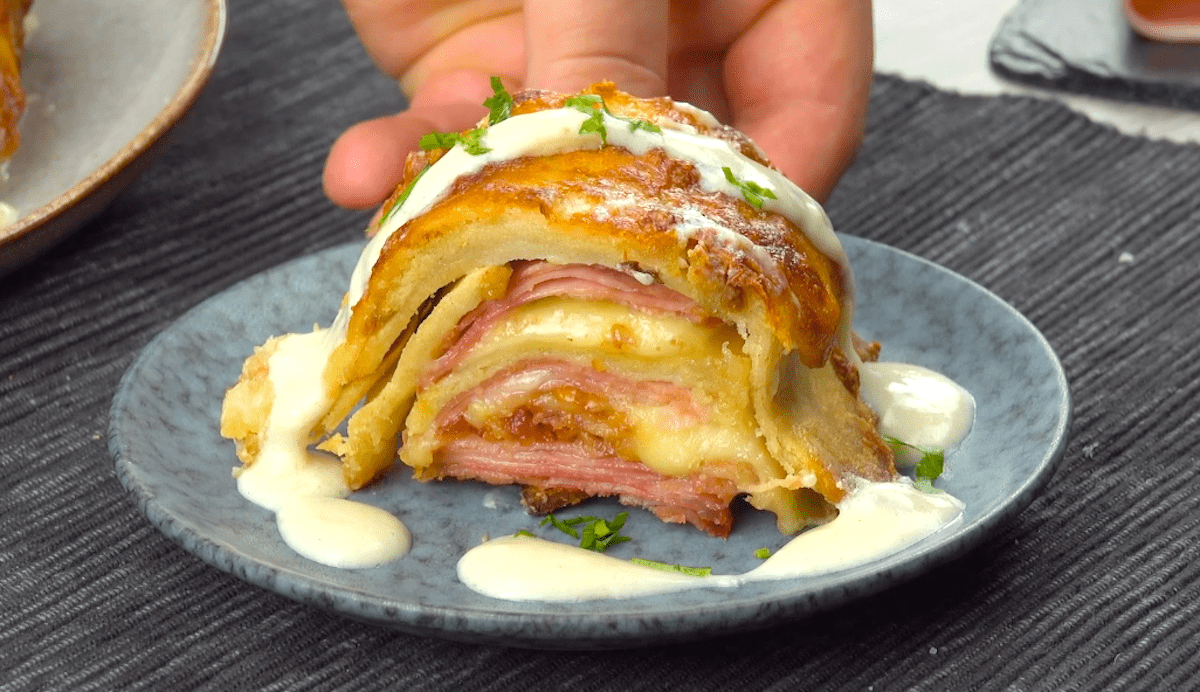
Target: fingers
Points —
{"points": [[799, 82], [444, 60], [573, 43], [367, 162], [413, 40]]}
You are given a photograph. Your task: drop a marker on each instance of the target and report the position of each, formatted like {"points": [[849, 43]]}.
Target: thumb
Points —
{"points": [[573, 43]]}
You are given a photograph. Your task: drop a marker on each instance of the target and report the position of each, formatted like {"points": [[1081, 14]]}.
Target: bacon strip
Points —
{"points": [[700, 500]]}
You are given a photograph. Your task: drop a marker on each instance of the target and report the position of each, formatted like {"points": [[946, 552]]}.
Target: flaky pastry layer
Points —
{"points": [[764, 275]]}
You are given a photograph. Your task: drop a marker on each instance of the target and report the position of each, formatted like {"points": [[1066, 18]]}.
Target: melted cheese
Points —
{"points": [[643, 346], [600, 328], [678, 451]]}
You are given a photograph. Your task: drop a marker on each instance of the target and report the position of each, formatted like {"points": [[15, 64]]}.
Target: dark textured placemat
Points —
{"points": [[1087, 46], [1094, 235]]}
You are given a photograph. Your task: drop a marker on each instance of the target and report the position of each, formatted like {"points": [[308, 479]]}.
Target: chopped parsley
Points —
{"points": [[595, 108], [597, 533], [927, 470], [403, 196], [668, 567], [635, 125], [471, 141], [753, 193], [587, 104], [499, 104]]}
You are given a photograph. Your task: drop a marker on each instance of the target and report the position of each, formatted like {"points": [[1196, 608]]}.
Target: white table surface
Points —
{"points": [[945, 42]]}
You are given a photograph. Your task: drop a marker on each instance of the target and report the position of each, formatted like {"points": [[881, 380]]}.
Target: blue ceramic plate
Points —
{"points": [[164, 436]]}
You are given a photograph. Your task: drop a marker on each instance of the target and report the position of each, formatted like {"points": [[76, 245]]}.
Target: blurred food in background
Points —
{"points": [[1175, 21]]}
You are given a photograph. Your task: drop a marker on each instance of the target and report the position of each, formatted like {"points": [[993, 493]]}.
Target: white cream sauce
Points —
{"points": [[917, 406], [305, 488], [557, 130], [284, 467], [341, 533], [524, 568], [874, 520]]}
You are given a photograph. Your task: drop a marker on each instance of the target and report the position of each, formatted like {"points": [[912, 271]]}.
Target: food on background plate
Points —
{"points": [[1172, 21], [588, 295], [12, 94]]}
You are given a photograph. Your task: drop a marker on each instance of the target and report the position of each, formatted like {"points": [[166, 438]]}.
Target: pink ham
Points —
{"points": [[700, 500], [517, 383], [586, 462], [534, 280]]}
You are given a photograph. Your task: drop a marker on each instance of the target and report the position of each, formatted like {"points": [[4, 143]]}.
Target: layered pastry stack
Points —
{"points": [[588, 295]]}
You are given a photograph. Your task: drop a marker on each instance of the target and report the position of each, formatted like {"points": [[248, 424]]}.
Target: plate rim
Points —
{"points": [[203, 64], [512, 628]]}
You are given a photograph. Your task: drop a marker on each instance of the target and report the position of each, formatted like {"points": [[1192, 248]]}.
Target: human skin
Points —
{"points": [[794, 75]]}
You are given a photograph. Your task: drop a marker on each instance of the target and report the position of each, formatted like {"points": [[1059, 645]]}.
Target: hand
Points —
{"points": [[794, 75]]}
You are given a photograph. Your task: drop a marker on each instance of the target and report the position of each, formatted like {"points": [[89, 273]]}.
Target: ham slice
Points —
{"points": [[517, 384], [700, 500], [532, 280], [559, 427]]}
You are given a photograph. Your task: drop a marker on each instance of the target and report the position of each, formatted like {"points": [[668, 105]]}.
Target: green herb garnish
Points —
{"points": [[403, 196], [753, 193], [927, 470], [586, 103], [762, 553], [598, 534], [499, 104], [523, 532], [668, 567], [564, 526], [471, 141], [438, 140], [635, 125]]}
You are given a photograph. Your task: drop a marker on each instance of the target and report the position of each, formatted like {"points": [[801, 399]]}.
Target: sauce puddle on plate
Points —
{"points": [[307, 492]]}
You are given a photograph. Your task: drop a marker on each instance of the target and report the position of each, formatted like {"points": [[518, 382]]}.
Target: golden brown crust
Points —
{"points": [[649, 213], [12, 94], [248, 403], [542, 501], [803, 290]]}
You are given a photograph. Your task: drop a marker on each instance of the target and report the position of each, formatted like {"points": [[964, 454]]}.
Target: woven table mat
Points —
{"points": [[1091, 234]]}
